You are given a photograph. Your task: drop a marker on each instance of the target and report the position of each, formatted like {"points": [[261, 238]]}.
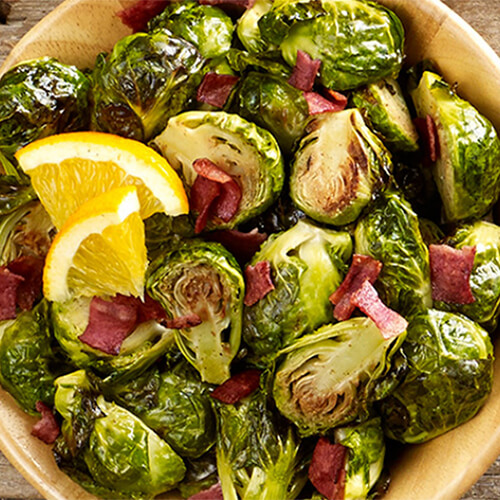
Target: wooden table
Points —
{"points": [[483, 15]]}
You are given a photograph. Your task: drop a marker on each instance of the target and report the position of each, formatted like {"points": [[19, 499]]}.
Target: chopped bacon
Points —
{"points": [[327, 470], [215, 89], [242, 245], [363, 267], [304, 72], [237, 387], [389, 322], [9, 285], [47, 429], [258, 282], [336, 98], [181, 322], [427, 131], [204, 192], [212, 493], [450, 273], [31, 269], [141, 12], [233, 6], [149, 309], [318, 104]]}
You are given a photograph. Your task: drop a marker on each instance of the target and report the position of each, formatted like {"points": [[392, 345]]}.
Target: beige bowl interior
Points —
{"points": [[441, 469]]}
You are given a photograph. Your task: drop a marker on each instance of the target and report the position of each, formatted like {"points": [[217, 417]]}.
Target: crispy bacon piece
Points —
{"points": [[31, 269], [304, 72], [47, 429], [9, 285], [427, 131], [204, 192], [242, 245], [318, 104], [182, 322], [237, 387], [232, 6], [140, 13], [215, 89], [336, 98], [450, 273], [258, 282], [389, 322], [212, 493], [149, 309], [328, 469], [363, 267]]}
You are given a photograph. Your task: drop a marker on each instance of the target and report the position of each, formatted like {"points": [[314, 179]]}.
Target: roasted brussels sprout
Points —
{"points": [[389, 232], [269, 62], [384, 105], [202, 278], [40, 98], [246, 152], [272, 103], [357, 42], [307, 265], [145, 79], [332, 376], [111, 446], [450, 376], [208, 28], [466, 172], [247, 28], [337, 167]]}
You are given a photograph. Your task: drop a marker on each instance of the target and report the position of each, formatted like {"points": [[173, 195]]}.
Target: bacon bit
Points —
{"points": [[9, 285], [363, 267], [328, 469], [389, 322], [149, 309], [141, 12], [204, 192], [181, 322], [231, 5], [31, 269], [427, 132], [338, 99], [46, 429], [450, 273], [258, 281], [318, 104], [304, 72], [215, 89], [212, 493], [242, 245], [239, 386]]}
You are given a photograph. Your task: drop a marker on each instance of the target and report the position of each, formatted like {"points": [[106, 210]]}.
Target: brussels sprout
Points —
{"points": [[259, 456], [430, 231], [40, 98], [331, 376], [467, 170], [272, 103], [384, 105], [146, 79], [390, 233], [365, 458], [307, 265], [485, 277], [337, 167], [450, 376], [138, 351], [119, 451], [247, 28], [357, 42], [268, 62], [202, 278], [201, 474], [248, 153], [208, 28]]}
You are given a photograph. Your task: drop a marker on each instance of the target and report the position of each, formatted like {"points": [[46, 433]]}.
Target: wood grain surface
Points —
{"points": [[483, 15]]}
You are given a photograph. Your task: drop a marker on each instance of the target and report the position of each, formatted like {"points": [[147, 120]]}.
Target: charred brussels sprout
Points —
{"points": [[145, 79], [307, 265], [39, 98], [249, 154], [272, 103], [208, 28], [357, 42], [384, 105], [337, 167], [467, 172], [450, 376], [204, 279], [390, 233], [331, 377], [248, 26]]}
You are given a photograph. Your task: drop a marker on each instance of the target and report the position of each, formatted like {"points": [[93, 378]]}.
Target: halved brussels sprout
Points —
{"points": [[144, 80], [384, 105], [138, 351], [467, 172], [390, 232], [246, 152], [331, 377], [450, 376], [208, 28], [202, 278], [247, 28], [357, 42], [307, 264], [337, 167], [269, 62]]}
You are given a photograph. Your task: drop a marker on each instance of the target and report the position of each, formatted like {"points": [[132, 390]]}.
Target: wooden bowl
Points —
{"points": [[443, 468]]}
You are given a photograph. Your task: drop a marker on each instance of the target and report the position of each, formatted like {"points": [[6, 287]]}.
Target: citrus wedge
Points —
{"points": [[100, 250], [67, 170]]}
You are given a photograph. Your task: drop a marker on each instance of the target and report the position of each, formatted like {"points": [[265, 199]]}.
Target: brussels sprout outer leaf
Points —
{"points": [[46, 429], [247, 28]]}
